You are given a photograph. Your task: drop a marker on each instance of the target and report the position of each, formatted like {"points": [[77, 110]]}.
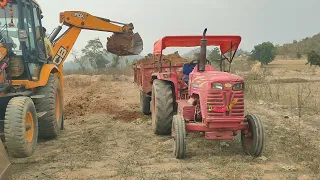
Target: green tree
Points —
{"points": [[264, 53], [214, 55], [134, 61], [299, 55], [115, 61], [127, 63], [81, 60], [313, 59], [93, 52]]}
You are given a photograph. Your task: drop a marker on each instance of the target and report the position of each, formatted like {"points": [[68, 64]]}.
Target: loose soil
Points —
{"points": [[174, 58], [120, 44], [106, 137]]}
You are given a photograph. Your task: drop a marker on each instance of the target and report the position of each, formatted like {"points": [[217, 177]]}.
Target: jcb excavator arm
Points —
{"points": [[122, 43]]}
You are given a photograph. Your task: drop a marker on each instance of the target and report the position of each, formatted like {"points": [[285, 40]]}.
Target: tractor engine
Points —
{"points": [[195, 101]]}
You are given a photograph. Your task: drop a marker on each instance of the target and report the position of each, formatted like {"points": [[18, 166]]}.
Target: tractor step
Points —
{"points": [[40, 114], [37, 96]]}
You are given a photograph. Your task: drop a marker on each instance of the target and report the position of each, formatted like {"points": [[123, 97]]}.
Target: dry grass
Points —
{"points": [[104, 146], [106, 71], [295, 101]]}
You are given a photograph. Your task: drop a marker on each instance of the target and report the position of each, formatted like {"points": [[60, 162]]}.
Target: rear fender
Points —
{"points": [[172, 78]]}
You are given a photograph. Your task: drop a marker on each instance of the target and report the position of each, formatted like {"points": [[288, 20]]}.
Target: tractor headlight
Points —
{"points": [[238, 87], [217, 86]]}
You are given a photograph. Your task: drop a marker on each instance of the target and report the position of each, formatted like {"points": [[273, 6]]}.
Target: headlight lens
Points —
{"points": [[217, 86], [238, 87]]}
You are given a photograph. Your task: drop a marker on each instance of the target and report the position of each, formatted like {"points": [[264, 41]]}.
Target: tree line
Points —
{"points": [[266, 53], [95, 56]]}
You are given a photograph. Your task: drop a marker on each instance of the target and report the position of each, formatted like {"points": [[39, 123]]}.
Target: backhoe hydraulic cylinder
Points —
{"points": [[55, 33]]}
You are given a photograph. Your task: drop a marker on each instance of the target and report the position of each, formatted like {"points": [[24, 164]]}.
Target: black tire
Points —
{"points": [[21, 127], [162, 107], [50, 124], [253, 143], [145, 104], [179, 137]]}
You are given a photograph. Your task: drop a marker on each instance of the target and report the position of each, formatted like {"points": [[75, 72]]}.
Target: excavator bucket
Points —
{"points": [[125, 44]]}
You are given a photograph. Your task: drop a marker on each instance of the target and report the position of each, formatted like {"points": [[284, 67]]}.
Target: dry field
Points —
{"points": [[106, 137]]}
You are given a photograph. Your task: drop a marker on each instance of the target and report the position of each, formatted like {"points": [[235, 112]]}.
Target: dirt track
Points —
{"points": [[106, 137]]}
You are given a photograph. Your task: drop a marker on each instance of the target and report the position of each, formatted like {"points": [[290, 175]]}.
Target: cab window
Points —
{"points": [[28, 25], [9, 34], [39, 33]]}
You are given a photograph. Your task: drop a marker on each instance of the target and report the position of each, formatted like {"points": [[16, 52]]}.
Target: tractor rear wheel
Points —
{"points": [[162, 107], [145, 104], [50, 124], [178, 134], [21, 127], [253, 141]]}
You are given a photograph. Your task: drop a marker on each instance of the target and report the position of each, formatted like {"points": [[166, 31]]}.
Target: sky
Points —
{"points": [[256, 21]]}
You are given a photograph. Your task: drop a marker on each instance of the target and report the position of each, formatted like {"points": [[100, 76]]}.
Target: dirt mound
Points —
{"points": [[174, 58], [89, 103], [99, 94]]}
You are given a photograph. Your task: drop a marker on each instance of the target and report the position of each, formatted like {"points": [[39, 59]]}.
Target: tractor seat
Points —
{"points": [[187, 69]]}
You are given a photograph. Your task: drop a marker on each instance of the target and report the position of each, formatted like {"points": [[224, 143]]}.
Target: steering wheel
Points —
{"points": [[195, 62]]}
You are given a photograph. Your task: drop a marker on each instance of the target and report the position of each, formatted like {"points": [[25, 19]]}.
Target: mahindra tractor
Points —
{"points": [[210, 102]]}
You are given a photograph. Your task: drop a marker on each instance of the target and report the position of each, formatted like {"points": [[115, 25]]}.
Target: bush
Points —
{"points": [[313, 59], [264, 53]]}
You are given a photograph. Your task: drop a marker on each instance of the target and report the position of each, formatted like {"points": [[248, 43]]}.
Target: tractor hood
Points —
{"points": [[217, 76]]}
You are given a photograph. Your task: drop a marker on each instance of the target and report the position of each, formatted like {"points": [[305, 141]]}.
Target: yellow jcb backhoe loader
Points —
{"points": [[31, 83]]}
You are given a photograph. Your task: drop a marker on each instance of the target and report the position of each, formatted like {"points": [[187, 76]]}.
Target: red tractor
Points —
{"points": [[212, 103]]}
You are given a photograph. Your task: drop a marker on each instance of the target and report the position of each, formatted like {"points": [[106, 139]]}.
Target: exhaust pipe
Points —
{"points": [[203, 52]]}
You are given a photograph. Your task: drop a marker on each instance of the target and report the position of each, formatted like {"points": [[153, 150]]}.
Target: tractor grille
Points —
{"points": [[222, 99]]}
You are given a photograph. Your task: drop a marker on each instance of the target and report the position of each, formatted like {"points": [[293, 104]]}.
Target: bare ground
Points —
{"points": [[106, 137]]}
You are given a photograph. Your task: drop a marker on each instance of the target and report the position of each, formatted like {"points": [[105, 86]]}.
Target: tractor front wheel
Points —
{"points": [[145, 104], [50, 124], [162, 107], [178, 134], [252, 139], [21, 127]]}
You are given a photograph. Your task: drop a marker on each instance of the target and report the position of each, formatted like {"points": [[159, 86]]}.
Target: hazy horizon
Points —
{"points": [[256, 21]]}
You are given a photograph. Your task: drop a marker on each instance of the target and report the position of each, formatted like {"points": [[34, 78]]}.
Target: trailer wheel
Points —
{"points": [[145, 104], [21, 127], [50, 124], [162, 107], [253, 142]]}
